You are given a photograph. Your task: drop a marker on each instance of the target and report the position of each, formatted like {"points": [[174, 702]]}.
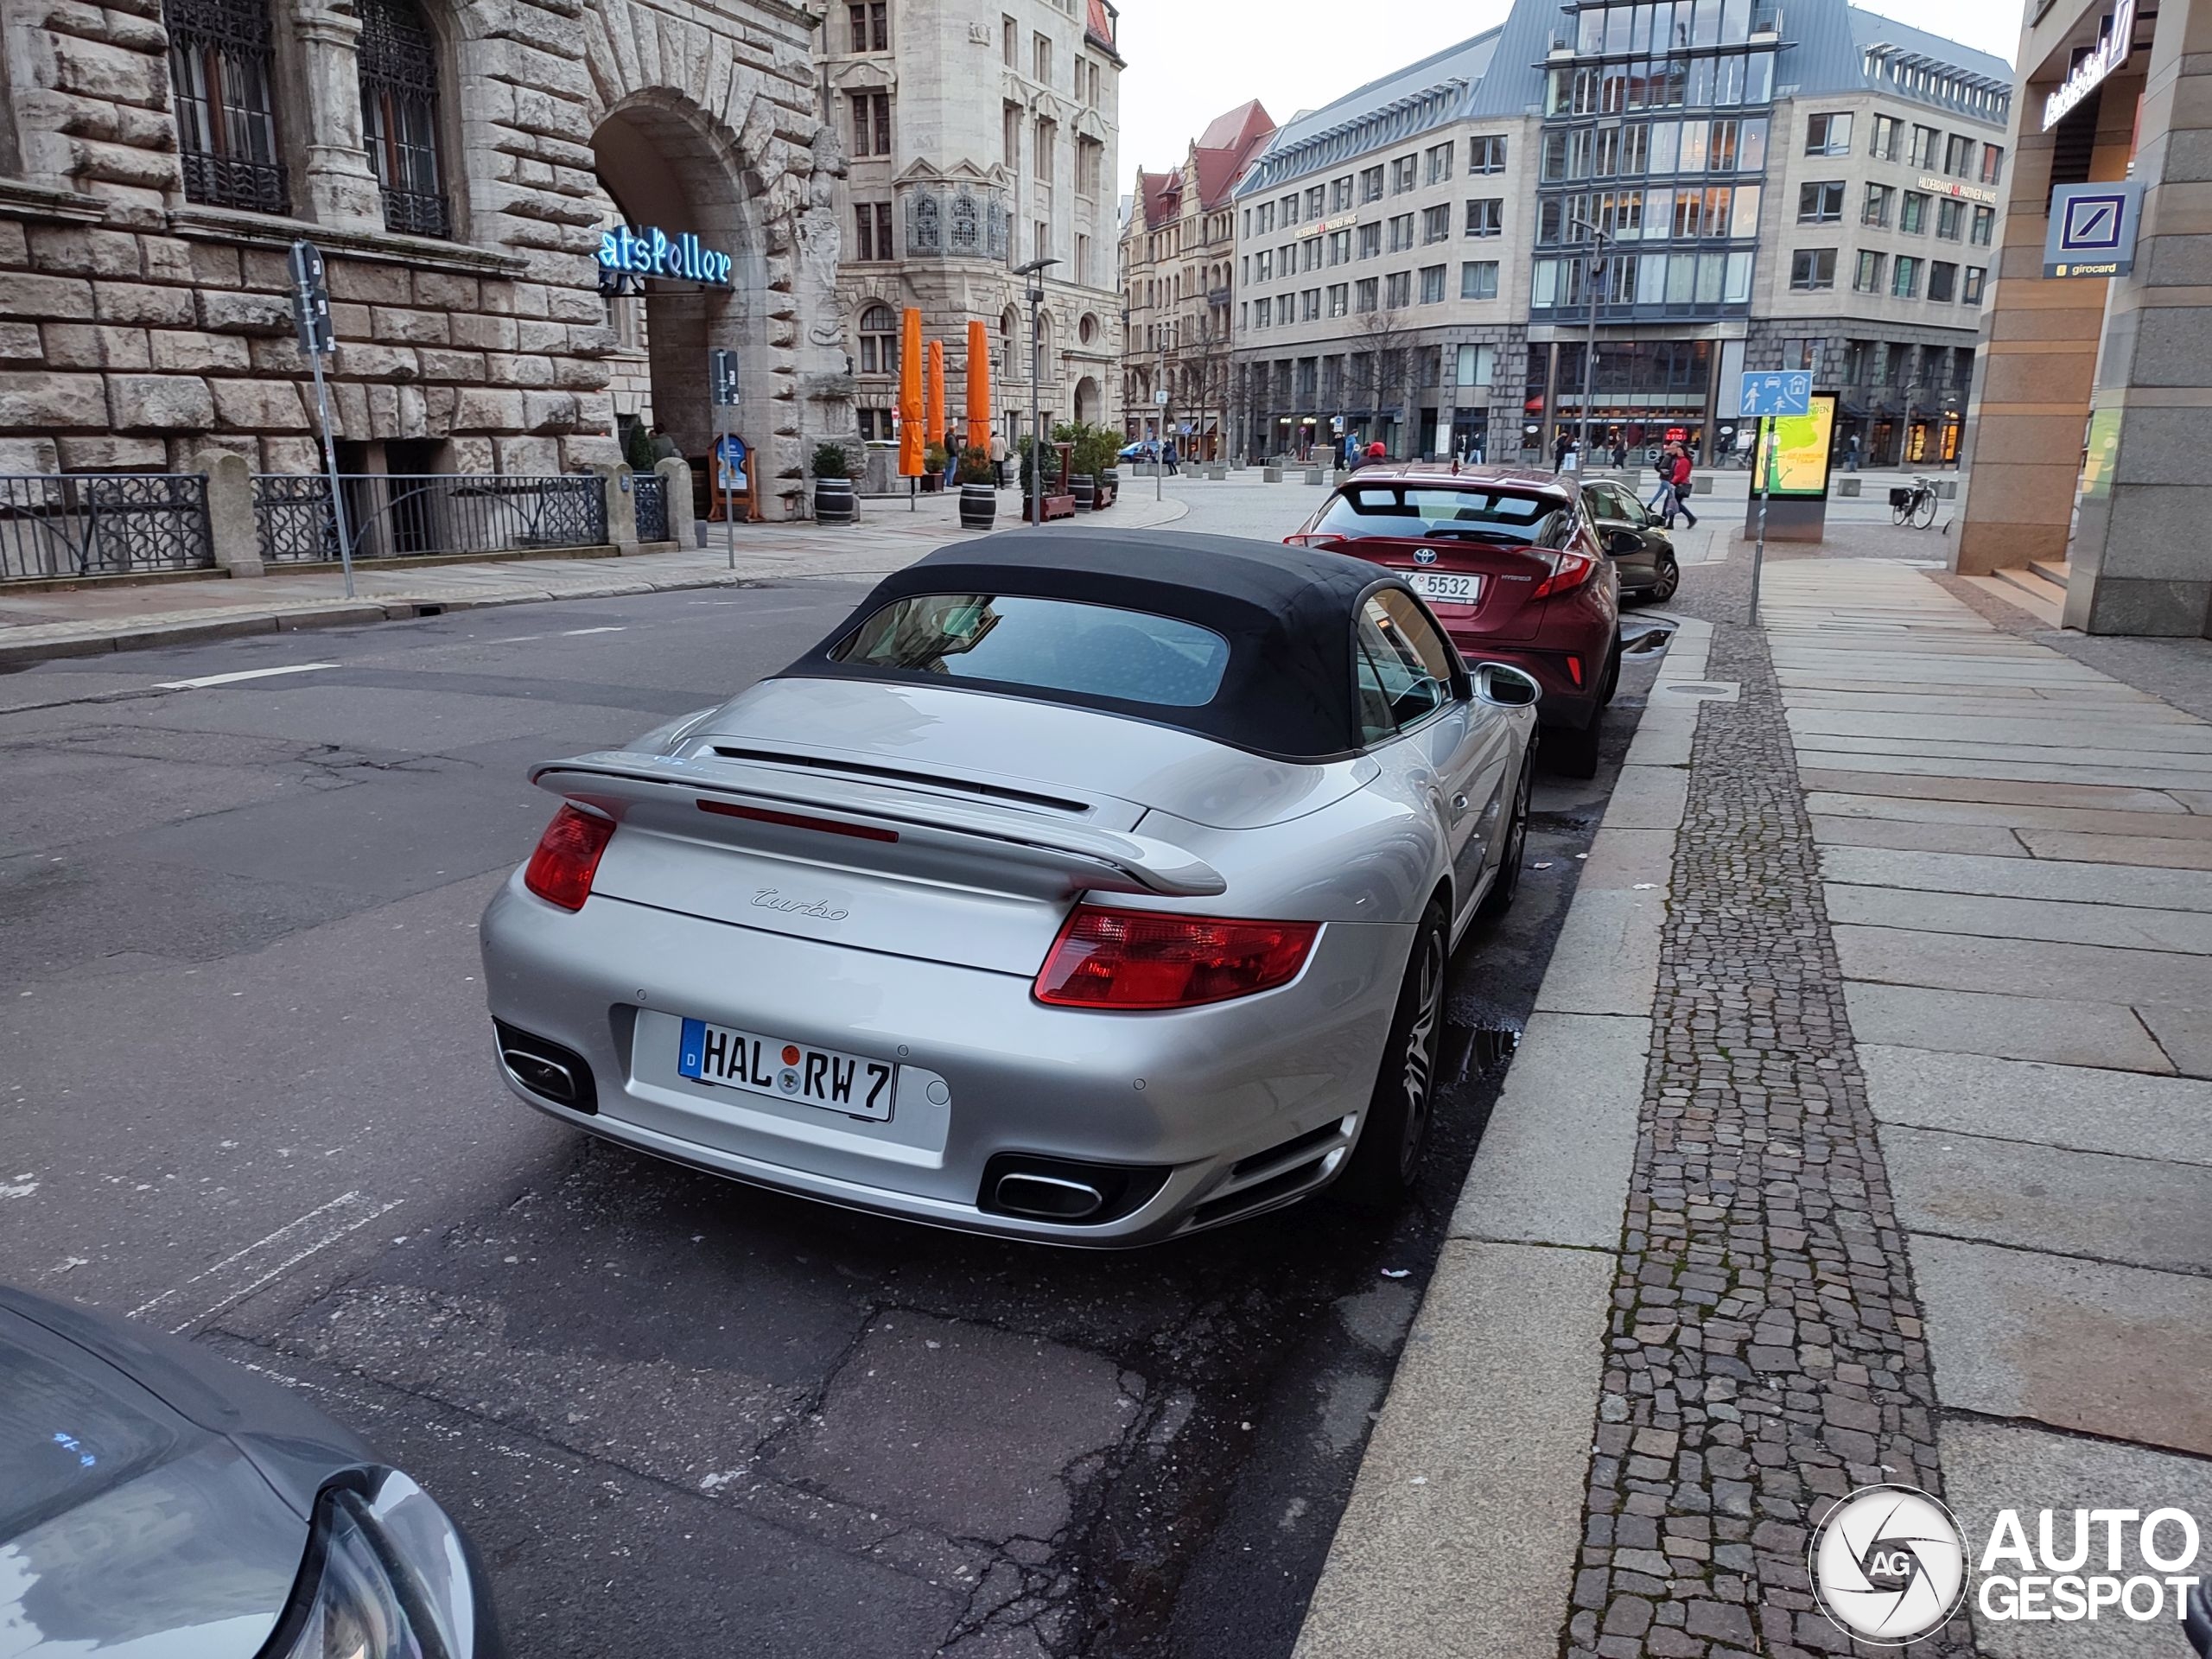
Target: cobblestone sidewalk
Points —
{"points": [[1766, 1354]]}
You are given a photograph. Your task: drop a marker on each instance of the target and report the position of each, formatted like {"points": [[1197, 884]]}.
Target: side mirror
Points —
{"points": [[1623, 544], [1505, 686]]}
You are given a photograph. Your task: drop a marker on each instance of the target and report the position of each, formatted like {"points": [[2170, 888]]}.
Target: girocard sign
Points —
{"points": [[2091, 228], [651, 251], [2112, 49]]}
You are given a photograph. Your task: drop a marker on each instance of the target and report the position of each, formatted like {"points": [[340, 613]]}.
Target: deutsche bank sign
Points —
{"points": [[653, 252], [2111, 50]]}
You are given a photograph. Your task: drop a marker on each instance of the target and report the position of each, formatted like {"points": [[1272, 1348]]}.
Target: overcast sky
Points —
{"points": [[1190, 60]]}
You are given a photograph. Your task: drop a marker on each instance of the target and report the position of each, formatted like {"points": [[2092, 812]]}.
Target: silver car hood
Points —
{"points": [[1104, 760], [192, 1558]]}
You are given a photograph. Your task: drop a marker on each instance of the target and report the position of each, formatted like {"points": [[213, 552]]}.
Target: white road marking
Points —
{"points": [[570, 633], [240, 1274], [243, 674]]}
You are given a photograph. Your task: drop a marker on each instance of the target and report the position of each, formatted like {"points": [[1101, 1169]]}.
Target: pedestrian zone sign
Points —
{"points": [[1787, 393]]}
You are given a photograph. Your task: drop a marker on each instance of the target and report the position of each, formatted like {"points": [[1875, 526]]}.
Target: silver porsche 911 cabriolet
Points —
{"points": [[1081, 887]]}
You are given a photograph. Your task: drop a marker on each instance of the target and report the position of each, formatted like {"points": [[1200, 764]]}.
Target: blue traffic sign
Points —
{"points": [[1789, 392]]}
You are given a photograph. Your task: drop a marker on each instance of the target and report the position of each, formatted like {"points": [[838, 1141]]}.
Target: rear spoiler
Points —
{"points": [[1090, 858]]}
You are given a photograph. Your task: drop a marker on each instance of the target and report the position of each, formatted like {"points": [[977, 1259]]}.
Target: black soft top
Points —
{"points": [[1286, 612]]}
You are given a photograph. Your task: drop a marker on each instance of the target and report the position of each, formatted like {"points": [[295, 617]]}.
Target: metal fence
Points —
{"points": [[102, 524], [390, 516], [651, 493]]}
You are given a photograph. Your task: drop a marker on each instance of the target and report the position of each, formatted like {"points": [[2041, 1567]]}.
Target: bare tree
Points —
{"points": [[1386, 336], [1205, 378]]}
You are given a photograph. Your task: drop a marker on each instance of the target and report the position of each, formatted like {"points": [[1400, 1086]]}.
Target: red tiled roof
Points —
{"points": [[1161, 197], [1227, 145]]}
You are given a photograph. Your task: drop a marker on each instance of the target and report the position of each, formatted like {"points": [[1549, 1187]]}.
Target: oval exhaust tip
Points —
{"points": [[1048, 1198]]}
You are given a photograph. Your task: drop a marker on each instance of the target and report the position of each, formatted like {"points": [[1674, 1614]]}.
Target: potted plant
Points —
{"points": [[933, 463], [1095, 459], [979, 496], [1083, 482], [835, 502]]}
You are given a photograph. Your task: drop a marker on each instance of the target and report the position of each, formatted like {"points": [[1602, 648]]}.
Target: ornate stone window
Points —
{"points": [[400, 116], [967, 225], [999, 223], [226, 136], [923, 230], [878, 340]]}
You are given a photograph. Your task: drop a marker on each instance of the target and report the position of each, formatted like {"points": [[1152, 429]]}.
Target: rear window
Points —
{"points": [[1433, 513], [1054, 644]]}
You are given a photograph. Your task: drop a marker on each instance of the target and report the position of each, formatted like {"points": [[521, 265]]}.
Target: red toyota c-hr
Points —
{"points": [[1512, 567]]}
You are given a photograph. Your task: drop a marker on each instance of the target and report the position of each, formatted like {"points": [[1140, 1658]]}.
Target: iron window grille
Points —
{"points": [[400, 116], [226, 133]]}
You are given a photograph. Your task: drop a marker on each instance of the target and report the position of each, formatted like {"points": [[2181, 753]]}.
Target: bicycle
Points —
{"points": [[1914, 503]]}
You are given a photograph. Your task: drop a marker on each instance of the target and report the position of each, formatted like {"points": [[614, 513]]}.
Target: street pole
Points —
{"points": [[1758, 549], [1036, 298], [311, 312], [1590, 347]]}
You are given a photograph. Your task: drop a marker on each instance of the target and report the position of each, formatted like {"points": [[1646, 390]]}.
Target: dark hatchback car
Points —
{"points": [[1641, 551], [158, 1502], [1512, 564]]}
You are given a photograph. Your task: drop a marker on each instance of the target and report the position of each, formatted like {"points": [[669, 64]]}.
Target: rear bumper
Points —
{"points": [[1215, 1095]]}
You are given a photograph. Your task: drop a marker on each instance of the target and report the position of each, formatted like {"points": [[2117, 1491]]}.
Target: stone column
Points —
{"points": [[675, 490], [340, 187], [2037, 356], [233, 526], [2140, 562], [615, 478]]}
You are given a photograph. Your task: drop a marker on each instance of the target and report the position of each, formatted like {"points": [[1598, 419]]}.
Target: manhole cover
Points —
{"points": [[1706, 690]]}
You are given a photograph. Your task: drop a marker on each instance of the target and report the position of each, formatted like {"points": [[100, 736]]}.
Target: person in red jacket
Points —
{"points": [[1678, 483]]}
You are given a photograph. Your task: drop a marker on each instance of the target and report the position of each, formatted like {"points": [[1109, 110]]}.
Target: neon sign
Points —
{"points": [[2107, 54], [653, 252]]}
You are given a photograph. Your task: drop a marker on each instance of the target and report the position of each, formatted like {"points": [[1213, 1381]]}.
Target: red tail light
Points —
{"points": [[1303, 540], [567, 857], [1569, 569], [1136, 959]]}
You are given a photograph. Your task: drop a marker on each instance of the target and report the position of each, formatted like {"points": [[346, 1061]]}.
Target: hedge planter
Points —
{"points": [[979, 506], [834, 501], [1085, 488]]}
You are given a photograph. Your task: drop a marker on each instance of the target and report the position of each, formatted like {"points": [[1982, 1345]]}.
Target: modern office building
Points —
{"points": [[1701, 188], [1177, 262], [2093, 407], [975, 147]]}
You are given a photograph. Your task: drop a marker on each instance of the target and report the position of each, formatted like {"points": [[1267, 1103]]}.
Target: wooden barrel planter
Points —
{"points": [[1109, 486], [1085, 488], [834, 501], [979, 506]]}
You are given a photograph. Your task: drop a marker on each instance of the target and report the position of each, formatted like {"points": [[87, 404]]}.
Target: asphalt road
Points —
{"points": [[248, 1095]]}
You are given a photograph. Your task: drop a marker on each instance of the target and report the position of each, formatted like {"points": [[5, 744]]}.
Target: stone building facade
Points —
{"points": [[949, 186], [456, 163], [1178, 272]]}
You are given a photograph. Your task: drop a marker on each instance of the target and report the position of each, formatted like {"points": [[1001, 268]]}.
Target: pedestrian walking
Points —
{"points": [[1167, 459], [1851, 453], [1560, 445], [1620, 451], [1678, 483]]}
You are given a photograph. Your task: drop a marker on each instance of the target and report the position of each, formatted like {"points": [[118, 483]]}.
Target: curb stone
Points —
{"points": [[1461, 1534]]}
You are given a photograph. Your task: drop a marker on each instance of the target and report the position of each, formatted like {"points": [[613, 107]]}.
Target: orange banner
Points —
{"points": [[933, 393], [910, 439], [979, 387]]}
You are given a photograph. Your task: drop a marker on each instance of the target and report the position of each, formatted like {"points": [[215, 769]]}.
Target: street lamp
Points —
{"points": [[1036, 298], [1590, 293]]}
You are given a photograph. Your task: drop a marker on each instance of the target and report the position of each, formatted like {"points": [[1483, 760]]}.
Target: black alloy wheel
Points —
{"points": [[1386, 1161], [1499, 899]]}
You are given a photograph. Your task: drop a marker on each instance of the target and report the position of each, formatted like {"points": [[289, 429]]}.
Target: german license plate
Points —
{"points": [[1446, 587], [851, 1083]]}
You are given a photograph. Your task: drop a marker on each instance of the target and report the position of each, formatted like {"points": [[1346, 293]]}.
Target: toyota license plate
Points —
{"points": [[851, 1083], [1444, 587]]}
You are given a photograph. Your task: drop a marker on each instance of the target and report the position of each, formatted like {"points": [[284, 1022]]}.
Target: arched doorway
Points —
{"points": [[1089, 404], [666, 168]]}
